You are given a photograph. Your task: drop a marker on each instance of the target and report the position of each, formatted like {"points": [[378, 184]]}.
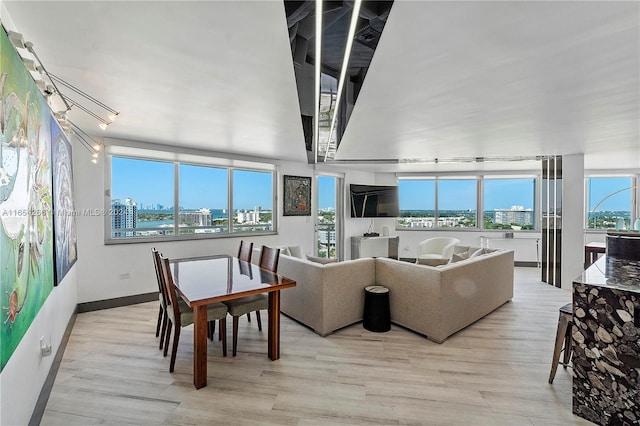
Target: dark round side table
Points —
{"points": [[377, 316]]}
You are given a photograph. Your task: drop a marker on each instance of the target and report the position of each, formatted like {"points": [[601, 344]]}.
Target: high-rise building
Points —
{"points": [[123, 216], [516, 215], [245, 216], [201, 217]]}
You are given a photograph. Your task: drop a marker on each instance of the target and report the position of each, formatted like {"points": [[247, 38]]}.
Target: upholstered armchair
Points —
{"points": [[435, 250]]}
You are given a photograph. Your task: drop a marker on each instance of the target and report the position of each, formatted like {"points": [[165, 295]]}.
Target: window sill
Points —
{"points": [[164, 238]]}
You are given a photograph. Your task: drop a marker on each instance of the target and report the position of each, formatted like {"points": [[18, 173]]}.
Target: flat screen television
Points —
{"points": [[374, 201]]}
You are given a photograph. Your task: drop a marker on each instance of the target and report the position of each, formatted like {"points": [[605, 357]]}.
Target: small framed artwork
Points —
{"points": [[297, 196]]}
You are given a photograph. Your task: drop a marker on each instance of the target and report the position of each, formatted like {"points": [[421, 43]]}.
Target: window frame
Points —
{"points": [[633, 202], [536, 201], [480, 191], [191, 160]]}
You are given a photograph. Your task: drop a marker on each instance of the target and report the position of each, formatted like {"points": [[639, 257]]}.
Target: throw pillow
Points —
{"points": [[432, 262], [476, 252], [296, 251], [458, 257], [479, 252], [322, 260], [285, 251], [460, 249]]}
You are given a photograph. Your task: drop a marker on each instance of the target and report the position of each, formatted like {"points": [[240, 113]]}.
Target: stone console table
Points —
{"points": [[606, 342]]}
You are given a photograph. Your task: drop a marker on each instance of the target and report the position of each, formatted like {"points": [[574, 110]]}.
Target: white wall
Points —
{"points": [[25, 373], [296, 230], [355, 226], [573, 235]]}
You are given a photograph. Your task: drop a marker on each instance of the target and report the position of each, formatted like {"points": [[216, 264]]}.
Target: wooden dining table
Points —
{"points": [[204, 280]]}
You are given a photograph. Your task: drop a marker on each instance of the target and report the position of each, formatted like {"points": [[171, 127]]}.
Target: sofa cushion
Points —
{"points": [[457, 257], [296, 251], [432, 261], [322, 260], [460, 249], [284, 250], [476, 252], [470, 253]]}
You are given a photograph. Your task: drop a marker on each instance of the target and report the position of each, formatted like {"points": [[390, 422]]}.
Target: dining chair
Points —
{"points": [[244, 253], [237, 307], [180, 315], [162, 312]]}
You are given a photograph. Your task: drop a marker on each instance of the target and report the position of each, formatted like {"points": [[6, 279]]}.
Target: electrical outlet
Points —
{"points": [[124, 276], [45, 349]]}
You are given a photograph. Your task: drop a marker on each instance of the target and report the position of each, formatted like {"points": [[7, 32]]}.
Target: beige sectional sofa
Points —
{"points": [[438, 301], [435, 301], [326, 297]]}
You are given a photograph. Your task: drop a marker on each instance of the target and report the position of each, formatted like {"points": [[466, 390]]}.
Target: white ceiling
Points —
{"points": [[449, 79]]}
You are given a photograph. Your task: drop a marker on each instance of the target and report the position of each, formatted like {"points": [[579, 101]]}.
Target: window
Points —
{"points": [[417, 199], [509, 204], [457, 203], [141, 198], [253, 200], [608, 198], [207, 199], [454, 202], [204, 199], [437, 203]]}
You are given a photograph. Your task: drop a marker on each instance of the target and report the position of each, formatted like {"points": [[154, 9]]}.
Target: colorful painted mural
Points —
{"points": [[26, 234], [64, 218]]}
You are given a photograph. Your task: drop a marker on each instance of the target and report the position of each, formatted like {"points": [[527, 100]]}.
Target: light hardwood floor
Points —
{"points": [[494, 372]]}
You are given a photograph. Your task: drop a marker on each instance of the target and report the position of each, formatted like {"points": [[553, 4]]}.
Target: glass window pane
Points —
{"points": [[417, 200], [252, 201], [203, 200], [141, 198], [457, 200], [608, 198], [509, 204], [326, 216]]}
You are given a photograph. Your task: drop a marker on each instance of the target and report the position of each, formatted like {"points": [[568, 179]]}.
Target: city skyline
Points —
{"points": [[131, 177]]}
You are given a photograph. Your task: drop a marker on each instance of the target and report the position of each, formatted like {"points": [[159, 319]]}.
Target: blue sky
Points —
{"points": [[461, 194], [599, 189], [326, 192], [151, 182]]}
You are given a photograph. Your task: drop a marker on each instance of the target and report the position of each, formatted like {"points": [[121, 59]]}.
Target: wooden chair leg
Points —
{"points": [[563, 323], [235, 335], [223, 335], [212, 329], [168, 337], [174, 349], [160, 312], [259, 321], [165, 318]]}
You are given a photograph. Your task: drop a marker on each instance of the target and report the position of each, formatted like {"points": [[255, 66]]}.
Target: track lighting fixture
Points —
{"points": [[36, 66]]}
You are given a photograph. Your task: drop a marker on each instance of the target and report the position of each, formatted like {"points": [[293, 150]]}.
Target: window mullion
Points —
{"points": [[436, 213], [176, 198], [230, 201], [480, 203]]}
